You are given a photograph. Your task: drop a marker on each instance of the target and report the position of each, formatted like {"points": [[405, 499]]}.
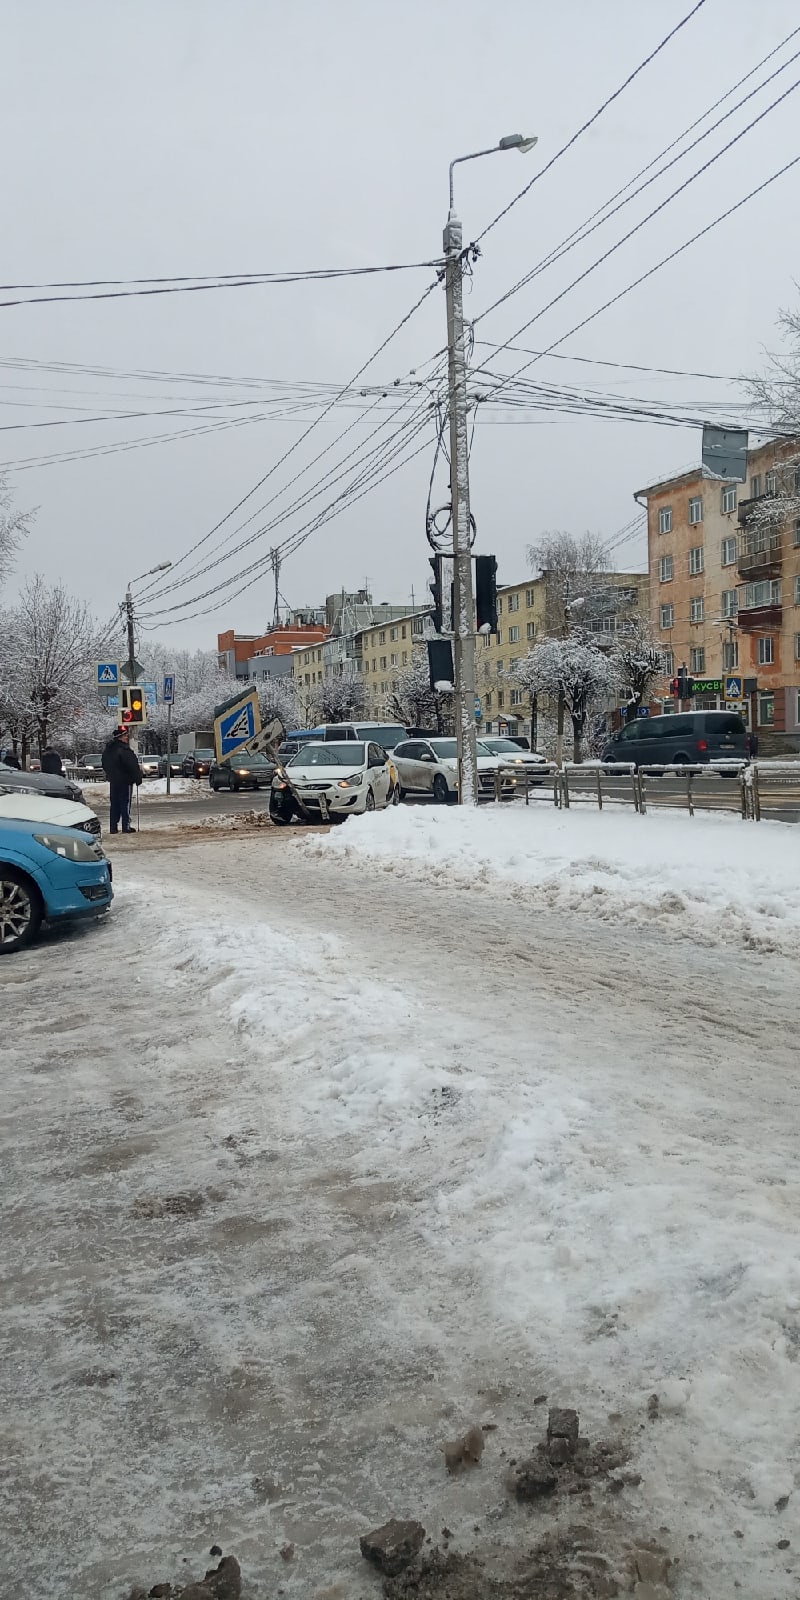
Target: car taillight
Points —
{"points": [[702, 744]]}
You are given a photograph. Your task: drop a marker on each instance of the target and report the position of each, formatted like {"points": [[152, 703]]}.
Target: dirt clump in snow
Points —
{"points": [[465, 1451], [223, 1582], [393, 1546]]}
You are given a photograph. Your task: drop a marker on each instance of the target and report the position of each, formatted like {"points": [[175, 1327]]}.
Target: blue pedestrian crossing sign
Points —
{"points": [[108, 674], [168, 690], [733, 688], [236, 724], [150, 694]]}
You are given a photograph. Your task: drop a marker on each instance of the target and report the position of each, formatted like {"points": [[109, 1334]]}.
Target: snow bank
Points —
{"points": [[151, 789], [712, 878]]}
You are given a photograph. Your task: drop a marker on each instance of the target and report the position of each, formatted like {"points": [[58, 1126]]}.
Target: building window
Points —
{"points": [[771, 482], [529, 597], [499, 605], [366, 666], [669, 662], [513, 602], [755, 486], [530, 631], [695, 560], [665, 519], [797, 533], [382, 636], [797, 647], [697, 660], [766, 652], [383, 663], [499, 634], [666, 569], [403, 631], [667, 617], [513, 635], [767, 593], [730, 655], [730, 602], [516, 697], [513, 663], [394, 658], [696, 608], [797, 590], [728, 552], [374, 664], [766, 711], [696, 508], [728, 499], [487, 639], [418, 625], [392, 634], [405, 658]]}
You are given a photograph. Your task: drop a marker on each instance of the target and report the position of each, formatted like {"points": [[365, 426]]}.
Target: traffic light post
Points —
{"points": [[133, 706]]}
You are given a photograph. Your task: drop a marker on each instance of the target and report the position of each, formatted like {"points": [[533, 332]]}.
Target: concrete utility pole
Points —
{"points": [[129, 624], [463, 596]]}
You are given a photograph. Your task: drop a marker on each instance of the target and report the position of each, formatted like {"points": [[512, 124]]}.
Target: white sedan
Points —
{"points": [[510, 754], [25, 805], [429, 766], [334, 780]]}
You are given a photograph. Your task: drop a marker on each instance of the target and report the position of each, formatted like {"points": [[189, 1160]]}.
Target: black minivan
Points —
{"points": [[687, 738]]}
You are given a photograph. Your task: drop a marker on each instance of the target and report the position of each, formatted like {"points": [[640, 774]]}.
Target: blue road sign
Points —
{"points": [[150, 694], [236, 727], [168, 690], [108, 674], [642, 711], [113, 702], [733, 688], [478, 708]]}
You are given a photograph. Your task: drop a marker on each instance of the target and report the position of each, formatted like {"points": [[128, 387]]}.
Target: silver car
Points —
{"points": [[429, 766]]}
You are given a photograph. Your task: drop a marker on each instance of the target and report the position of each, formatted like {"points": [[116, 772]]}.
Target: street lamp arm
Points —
{"points": [[510, 141]]}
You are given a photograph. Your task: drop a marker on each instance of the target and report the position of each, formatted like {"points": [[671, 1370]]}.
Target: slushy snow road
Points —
{"points": [[309, 1164]]}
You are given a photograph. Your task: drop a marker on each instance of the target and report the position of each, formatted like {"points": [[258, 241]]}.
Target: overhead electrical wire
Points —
{"points": [[626, 366], [591, 120]]}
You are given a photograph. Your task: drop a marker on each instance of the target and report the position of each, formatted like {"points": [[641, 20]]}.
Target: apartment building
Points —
{"points": [[252, 655], [384, 651], [725, 585]]}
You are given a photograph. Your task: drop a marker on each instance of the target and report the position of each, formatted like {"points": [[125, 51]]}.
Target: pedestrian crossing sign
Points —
{"points": [[108, 674], [733, 688], [236, 723]]}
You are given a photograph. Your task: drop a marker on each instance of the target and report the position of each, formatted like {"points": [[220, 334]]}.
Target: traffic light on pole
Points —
{"points": [[435, 587], [133, 706], [486, 593]]}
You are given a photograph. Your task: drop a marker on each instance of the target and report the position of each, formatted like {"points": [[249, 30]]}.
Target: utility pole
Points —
{"points": [[131, 640], [463, 598]]}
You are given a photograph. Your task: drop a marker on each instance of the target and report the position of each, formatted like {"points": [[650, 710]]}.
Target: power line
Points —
{"points": [[161, 286], [592, 119], [626, 366]]}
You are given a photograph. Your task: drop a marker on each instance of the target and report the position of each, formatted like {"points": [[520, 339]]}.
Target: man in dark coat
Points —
{"points": [[121, 767], [51, 762]]}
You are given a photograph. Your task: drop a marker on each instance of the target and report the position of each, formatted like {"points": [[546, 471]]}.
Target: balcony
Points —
{"points": [[761, 553], [760, 619], [745, 508]]}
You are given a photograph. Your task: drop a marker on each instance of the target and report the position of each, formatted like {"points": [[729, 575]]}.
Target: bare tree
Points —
{"points": [[573, 570], [639, 661], [573, 672], [777, 392], [338, 699], [14, 527], [414, 702], [49, 644]]}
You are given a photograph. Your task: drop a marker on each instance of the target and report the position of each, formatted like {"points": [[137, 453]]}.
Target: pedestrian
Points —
{"points": [[51, 762], [121, 767], [10, 760]]}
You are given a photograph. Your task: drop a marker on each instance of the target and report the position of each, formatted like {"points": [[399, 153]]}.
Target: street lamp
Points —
{"points": [[464, 604]]}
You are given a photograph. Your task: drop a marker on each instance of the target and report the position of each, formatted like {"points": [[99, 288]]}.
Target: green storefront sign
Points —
{"points": [[707, 686]]}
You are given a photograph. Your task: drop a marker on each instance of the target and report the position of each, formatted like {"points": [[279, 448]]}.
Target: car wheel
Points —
{"points": [[440, 789], [215, 787], [369, 804], [20, 910], [234, 786], [680, 761]]}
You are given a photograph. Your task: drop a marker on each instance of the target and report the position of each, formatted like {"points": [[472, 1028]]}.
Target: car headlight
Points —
{"points": [[70, 849], [353, 782]]}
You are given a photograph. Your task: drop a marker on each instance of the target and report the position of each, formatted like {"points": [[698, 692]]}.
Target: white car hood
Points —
{"points": [[326, 775], [22, 807]]}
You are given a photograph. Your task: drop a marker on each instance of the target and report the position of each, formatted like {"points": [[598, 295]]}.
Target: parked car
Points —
{"points": [[684, 739], [90, 767], [40, 783], [175, 765], [151, 766], [24, 805], [47, 873], [351, 777], [197, 763], [242, 772], [429, 766], [511, 754]]}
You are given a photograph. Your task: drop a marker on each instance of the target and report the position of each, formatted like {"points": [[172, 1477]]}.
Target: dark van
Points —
{"points": [[687, 738]]}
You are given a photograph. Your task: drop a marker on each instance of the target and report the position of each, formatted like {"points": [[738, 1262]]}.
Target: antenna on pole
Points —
{"points": [[275, 563]]}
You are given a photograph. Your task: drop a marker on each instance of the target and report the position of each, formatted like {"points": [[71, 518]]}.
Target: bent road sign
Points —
{"points": [[236, 724], [108, 674]]}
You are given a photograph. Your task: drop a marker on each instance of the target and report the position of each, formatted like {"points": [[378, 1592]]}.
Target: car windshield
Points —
{"points": [[350, 754], [92, 760], [496, 745], [203, 755], [444, 748], [250, 761]]}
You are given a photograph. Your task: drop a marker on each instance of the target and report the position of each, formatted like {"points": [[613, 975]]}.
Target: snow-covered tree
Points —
{"points": [[14, 527], [639, 661], [414, 702], [278, 698], [574, 572], [777, 393], [48, 644], [338, 699], [574, 673]]}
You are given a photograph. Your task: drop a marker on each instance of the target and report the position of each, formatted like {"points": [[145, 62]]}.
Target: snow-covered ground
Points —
{"points": [[712, 877], [306, 1168], [151, 789]]}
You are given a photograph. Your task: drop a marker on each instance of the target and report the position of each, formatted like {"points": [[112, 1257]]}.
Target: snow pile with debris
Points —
{"points": [[713, 878]]}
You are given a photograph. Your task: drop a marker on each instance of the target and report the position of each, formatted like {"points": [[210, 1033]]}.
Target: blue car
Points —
{"points": [[47, 873]]}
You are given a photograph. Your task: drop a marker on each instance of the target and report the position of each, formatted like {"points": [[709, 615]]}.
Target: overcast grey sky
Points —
{"points": [[195, 136]]}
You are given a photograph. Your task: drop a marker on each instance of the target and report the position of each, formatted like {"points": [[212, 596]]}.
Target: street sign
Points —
{"points": [[150, 694], [273, 733], [108, 674], [135, 666], [725, 452], [642, 711], [236, 723], [168, 689], [733, 688], [736, 705], [113, 702], [478, 708]]}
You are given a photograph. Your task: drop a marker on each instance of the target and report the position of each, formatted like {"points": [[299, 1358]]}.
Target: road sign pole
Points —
{"points": [[169, 747]]}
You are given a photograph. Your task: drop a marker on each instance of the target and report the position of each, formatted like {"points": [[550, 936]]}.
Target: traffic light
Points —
{"points": [[683, 685], [435, 587], [440, 663], [486, 592], [133, 706]]}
